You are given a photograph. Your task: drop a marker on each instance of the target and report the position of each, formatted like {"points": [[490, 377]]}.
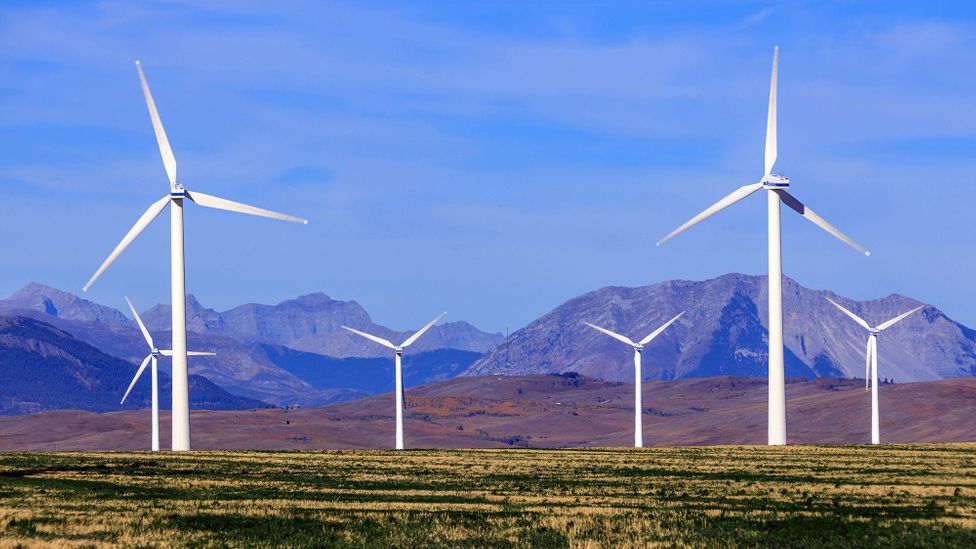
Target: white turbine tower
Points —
{"points": [[871, 362], [398, 350], [181, 399], [638, 349], [154, 353], [775, 185]]}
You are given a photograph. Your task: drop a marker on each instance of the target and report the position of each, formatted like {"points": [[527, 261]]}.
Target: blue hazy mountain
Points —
{"points": [[65, 305], [313, 323], [724, 332], [246, 363], [371, 375], [44, 368]]}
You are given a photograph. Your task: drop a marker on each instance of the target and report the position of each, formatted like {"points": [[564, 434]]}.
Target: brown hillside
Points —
{"points": [[541, 411]]}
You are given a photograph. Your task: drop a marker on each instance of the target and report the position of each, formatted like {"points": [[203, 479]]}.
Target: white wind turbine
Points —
{"points": [[154, 353], [871, 362], [398, 350], [638, 349], [181, 399], [775, 185]]}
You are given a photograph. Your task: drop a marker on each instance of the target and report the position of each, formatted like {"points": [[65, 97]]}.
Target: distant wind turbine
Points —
{"points": [[181, 397], [638, 349], [398, 350], [871, 361], [776, 186], [154, 353]]}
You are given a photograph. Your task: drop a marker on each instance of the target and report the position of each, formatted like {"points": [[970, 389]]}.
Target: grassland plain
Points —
{"points": [[905, 495]]}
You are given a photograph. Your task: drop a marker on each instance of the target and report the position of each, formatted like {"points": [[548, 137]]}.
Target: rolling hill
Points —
{"points": [[557, 411]]}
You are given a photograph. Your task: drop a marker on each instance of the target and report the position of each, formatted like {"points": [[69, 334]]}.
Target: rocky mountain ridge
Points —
{"points": [[724, 332], [247, 363], [313, 322]]}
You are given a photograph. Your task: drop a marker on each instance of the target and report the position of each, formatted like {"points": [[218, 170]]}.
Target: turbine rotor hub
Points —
{"points": [[176, 191], [775, 181]]}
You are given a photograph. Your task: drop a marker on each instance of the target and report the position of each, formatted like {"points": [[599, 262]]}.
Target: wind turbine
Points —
{"points": [[871, 361], [181, 397], [154, 353], [638, 349], [398, 350], [775, 185]]}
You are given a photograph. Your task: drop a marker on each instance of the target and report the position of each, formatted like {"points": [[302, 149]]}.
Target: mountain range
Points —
{"points": [[46, 368], [312, 323], [263, 351], [250, 359], [724, 332]]}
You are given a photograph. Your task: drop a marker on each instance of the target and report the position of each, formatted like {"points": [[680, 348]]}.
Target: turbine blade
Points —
{"points": [[771, 118], [856, 318], [867, 365], [614, 335], [370, 337], [806, 212], [169, 352], [403, 394], [154, 210], [142, 327], [874, 357], [657, 332], [899, 318], [169, 161], [732, 198], [132, 384], [421, 331], [231, 206]]}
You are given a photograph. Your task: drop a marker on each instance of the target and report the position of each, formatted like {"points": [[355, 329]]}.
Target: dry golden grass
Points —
{"points": [[674, 497]]}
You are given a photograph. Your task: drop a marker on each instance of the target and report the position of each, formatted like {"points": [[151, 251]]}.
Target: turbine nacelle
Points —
{"points": [[775, 181], [176, 191]]}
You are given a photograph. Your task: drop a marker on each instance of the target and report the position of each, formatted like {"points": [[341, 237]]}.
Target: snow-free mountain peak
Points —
{"points": [[724, 331]]}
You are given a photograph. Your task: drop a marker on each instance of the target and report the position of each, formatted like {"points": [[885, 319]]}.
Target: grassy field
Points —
{"points": [[703, 497]]}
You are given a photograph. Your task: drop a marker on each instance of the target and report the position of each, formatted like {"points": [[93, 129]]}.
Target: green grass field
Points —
{"points": [[702, 497]]}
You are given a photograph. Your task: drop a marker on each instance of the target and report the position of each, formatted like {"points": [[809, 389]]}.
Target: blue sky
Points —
{"points": [[489, 158]]}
